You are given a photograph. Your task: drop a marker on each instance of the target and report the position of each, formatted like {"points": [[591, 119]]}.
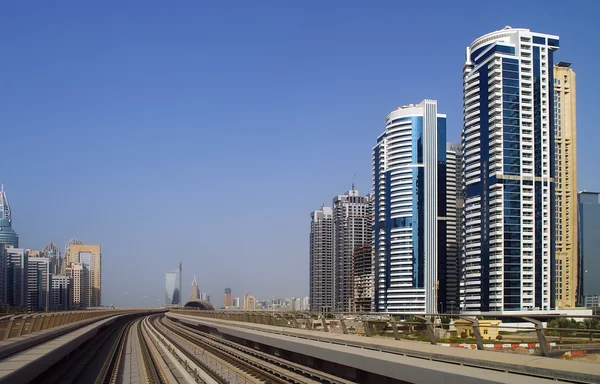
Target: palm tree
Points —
{"points": [[561, 323], [591, 323]]}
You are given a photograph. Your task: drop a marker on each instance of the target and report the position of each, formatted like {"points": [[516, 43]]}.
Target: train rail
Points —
{"points": [[119, 353], [259, 366]]}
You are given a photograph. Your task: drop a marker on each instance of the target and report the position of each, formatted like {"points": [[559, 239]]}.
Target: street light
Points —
{"points": [[125, 293], [442, 307]]}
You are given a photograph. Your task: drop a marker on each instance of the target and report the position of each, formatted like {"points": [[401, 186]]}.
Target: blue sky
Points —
{"points": [[207, 131]]}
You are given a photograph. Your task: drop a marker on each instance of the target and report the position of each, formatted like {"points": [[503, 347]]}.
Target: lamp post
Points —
{"points": [[125, 293], [442, 307]]}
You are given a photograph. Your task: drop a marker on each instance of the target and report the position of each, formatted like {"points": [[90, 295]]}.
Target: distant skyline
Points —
{"points": [[207, 133]]}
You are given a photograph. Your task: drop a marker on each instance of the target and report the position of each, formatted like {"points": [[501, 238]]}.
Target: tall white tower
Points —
{"points": [[507, 261], [409, 178]]}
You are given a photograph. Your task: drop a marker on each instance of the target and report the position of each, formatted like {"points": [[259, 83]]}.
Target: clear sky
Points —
{"points": [[207, 131]]}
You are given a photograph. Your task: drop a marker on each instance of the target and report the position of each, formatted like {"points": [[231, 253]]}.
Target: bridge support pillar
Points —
{"points": [[395, 329], [344, 329], [475, 324], [368, 329], [430, 329], [539, 330], [324, 322]]}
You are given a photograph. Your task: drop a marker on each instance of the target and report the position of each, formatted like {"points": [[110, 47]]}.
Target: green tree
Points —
{"points": [[562, 323], [590, 324]]}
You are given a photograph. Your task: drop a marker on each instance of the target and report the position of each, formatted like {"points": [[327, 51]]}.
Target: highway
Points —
{"points": [[151, 347]]}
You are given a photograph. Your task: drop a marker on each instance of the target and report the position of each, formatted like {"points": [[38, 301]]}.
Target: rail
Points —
{"points": [[110, 369], [260, 364]]}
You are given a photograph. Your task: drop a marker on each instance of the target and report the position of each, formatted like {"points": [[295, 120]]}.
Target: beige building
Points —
{"points": [[488, 328], [566, 186], [249, 301], [80, 297], [91, 257]]}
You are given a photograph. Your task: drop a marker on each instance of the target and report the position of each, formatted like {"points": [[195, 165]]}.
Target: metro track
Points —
{"points": [[259, 367], [104, 358]]}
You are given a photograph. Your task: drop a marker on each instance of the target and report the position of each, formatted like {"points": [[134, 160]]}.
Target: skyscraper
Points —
{"points": [[4, 268], [17, 277], [454, 206], [321, 260], [65, 261], [351, 228], [565, 160], [7, 234], [589, 248], [195, 293], [38, 283], [507, 261], [228, 299], [91, 257], [173, 287], [52, 252], [80, 285], [60, 293], [409, 179], [363, 279]]}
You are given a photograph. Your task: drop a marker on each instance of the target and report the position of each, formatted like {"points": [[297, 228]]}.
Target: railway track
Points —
{"points": [[258, 366], [120, 353]]}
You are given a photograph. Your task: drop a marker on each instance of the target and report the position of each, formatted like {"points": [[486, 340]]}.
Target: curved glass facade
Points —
{"points": [[409, 177]]}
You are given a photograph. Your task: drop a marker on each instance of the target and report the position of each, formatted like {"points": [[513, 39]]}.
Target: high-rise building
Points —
{"points": [[80, 285], [38, 283], [205, 296], [173, 287], [7, 234], [91, 257], [565, 163], [409, 179], [228, 299], [507, 261], [4, 268], [249, 301], [17, 277], [195, 293], [52, 252], [236, 302], [60, 293], [589, 246], [454, 206], [363, 277], [306, 304], [321, 260], [352, 227], [65, 260]]}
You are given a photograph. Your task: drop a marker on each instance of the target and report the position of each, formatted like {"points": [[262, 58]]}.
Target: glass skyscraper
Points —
{"points": [[409, 180], [589, 246], [507, 261], [7, 235], [173, 287]]}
